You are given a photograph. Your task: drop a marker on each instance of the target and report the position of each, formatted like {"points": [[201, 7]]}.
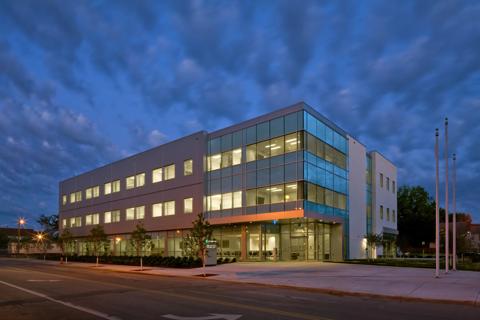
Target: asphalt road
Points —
{"points": [[32, 290]]}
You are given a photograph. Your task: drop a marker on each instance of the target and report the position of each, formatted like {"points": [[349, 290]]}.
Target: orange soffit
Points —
{"points": [[258, 217]]}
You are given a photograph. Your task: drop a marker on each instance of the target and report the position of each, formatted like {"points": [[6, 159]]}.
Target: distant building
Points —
{"points": [[288, 185]]}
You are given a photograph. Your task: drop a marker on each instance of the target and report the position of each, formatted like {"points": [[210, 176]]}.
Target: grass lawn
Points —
{"points": [[415, 263]]}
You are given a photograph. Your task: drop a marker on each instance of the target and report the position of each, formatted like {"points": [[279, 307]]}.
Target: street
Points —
{"points": [[32, 290]]}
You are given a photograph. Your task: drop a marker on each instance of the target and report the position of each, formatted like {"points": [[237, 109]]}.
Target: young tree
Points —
{"points": [[98, 240], [141, 241], [49, 226], [195, 243], [43, 243], [65, 242], [373, 240]]}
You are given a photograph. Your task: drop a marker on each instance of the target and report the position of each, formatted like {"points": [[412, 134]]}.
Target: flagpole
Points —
{"points": [[454, 235], [447, 243], [437, 214]]}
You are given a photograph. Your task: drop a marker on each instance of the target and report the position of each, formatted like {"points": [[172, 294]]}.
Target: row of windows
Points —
{"points": [[166, 208], [388, 214], [388, 183], [326, 197], [324, 151], [135, 181], [226, 200], [224, 160], [273, 194]]}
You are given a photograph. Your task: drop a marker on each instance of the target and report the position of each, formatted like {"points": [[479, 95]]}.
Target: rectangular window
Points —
{"points": [[169, 207], [227, 159], [251, 197], [291, 192], [251, 152], [140, 180], [291, 142], [96, 191], [188, 205], [388, 214], [311, 192], [170, 172], [381, 212], [95, 218], [130, 214], [381, 180], [140, 212], [72, 222], [329, 198], [277, 146], [237, 199], [320, 195], [130, 182], [107, 188], [342, 201], [78, 196], [88, 193], [393, 215], [393, 186], [107, 217], [227, 200], [64, 223], [263, 150], [216, 202], [277, 193], [236, 156], [188, 167], [64, 199], [157, 210], [116, 186], [116, 216], [88, 219], [78, 221], [263, 196], [157, 175], [214, 162], [388, 184]]}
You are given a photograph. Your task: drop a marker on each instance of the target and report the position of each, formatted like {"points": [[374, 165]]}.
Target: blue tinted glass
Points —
{"points": [[301, 120], [276, 175], [320, 130], [215, 146], [291, 172], [321, 163], [321, 177], [263, 177], [226, 142], [251, 180], [328, 166], [251, 135], [276, 127], [337, 143], [290, 123], [263, 131], [329, 180], [311, 124], [329, 136], [237, 139]]}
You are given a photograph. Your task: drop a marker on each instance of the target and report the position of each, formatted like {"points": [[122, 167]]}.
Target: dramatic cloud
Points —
{"points": [[89, 82]]}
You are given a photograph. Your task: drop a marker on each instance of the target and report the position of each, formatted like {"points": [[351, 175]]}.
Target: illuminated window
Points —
{"points": [[214, 162], [96, 191], [227, 200], [251, 152], [140, 180], [88, 219], [64, 199], [72, 197], [116, 216], [107, 217], [277, 146], [64, 223], [130, 214], [157, 210], [290, 192], [169, 208], [170, 172], [236, 156], [216, 202], [157, 175], [188, 205], [140, 212], [277, 193], [291, 142], [237, 199], [107, 188], [188, 167], [116, 186], [130, 182], [88, 193]]}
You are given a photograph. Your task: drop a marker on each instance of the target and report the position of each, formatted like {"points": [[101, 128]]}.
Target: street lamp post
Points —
{"points": [[454, 235], [20, 223], [437, 215]]}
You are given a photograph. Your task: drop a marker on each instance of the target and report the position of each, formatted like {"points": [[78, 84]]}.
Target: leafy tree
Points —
{"points": [[98, 240], [43, 243], [141, 241], [195, 243], [49, 226], [416, 216], [66, 241], [373, 240]]}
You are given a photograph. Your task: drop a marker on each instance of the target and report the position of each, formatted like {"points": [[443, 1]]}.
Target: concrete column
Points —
{"points": [[243, 243]]}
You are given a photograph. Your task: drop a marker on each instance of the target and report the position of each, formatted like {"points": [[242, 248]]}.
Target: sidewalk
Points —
{"points": [[337, 278]]}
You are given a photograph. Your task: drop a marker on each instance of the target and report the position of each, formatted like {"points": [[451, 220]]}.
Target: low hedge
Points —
{"points": [[153, 260], [415, 263]]}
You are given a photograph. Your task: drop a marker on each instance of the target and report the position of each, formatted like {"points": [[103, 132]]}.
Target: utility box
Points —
{"points": [[211, 258]]}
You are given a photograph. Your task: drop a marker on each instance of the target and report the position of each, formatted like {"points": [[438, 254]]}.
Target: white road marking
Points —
{"points": [[212, 316], [40, 280], [67, 304]]}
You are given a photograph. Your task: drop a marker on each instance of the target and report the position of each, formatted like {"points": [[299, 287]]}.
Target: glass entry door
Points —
{"points": [[298, 248]]}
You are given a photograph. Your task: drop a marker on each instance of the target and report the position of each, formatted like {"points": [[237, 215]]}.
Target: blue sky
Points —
{"points": [[87, 82]]}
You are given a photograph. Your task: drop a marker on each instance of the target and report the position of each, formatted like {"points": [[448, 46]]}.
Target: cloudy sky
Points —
{"points": [[83, 83]]}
